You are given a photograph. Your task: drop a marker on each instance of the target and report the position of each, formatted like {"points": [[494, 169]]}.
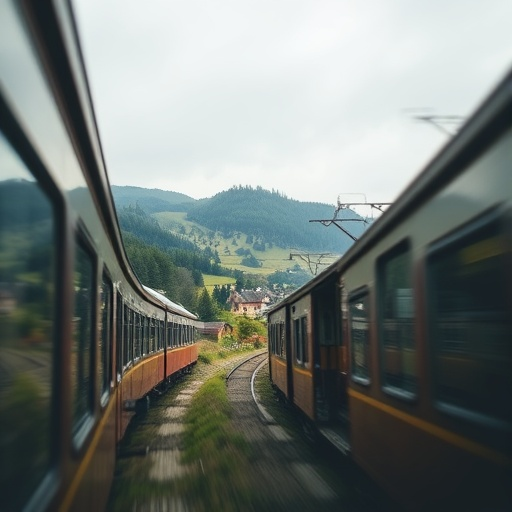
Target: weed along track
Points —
{"points": [[209, 444]]}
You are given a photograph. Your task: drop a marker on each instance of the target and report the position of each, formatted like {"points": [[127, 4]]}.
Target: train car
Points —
{"points": [[420, 392], [82, 342]]}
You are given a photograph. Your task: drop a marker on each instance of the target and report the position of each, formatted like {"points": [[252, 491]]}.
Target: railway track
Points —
{"points": [[289, 479]]}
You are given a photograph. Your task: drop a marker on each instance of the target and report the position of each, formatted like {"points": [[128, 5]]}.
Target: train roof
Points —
{"points": [[490, 120], [169, 304]]}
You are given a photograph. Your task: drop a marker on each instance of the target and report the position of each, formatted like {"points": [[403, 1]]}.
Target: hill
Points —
{"points": [[151, 200], [252, 232], [272, 218]]}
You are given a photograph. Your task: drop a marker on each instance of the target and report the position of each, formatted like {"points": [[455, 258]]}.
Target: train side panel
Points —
{"points": [[440, 422]]}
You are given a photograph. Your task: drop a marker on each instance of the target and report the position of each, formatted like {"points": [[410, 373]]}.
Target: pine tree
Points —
{"points": [[206, 307]]}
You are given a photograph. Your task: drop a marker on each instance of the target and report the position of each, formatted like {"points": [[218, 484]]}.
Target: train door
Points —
{"points": [[329, 355]]}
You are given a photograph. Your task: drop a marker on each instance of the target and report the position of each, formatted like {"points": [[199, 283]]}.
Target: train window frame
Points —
{"points": [[105, 378], [128, 334], [82, 426], [137, 336], [471, 235], [45, 486], [119, 335], [354, 296], [300, 340], [401, 249]]}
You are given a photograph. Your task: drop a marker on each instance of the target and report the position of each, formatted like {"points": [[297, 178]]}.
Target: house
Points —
{"points": [[247, 302], [213, 330]]}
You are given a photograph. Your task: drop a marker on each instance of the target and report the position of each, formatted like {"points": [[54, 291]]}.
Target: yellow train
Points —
{"points": [[402, 349]]}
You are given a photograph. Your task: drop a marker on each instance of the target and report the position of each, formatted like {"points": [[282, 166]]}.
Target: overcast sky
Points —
{"points": [[313, 98]]}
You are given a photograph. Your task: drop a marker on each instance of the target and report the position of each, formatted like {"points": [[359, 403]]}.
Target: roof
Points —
{"points": [[169, 304]]}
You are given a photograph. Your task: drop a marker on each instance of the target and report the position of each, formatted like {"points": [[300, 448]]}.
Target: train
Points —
{"points": [[82, 342], [400, 352]]}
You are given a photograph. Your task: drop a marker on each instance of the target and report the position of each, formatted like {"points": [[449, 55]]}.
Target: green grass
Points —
{"points": [[217, 452], [210, 351], [211, 281]]}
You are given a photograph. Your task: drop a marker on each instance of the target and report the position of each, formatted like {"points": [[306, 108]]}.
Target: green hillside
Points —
{"points": [[150, 200], [271, 259], [273, 219]]}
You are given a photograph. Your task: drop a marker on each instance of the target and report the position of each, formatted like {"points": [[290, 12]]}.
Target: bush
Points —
{"points": [[205, 358]]}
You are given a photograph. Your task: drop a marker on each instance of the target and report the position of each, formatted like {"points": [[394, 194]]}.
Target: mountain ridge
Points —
{"points": [[270, 217]]}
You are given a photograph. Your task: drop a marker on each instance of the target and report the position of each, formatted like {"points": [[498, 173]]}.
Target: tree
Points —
{"points": [[206, 308], [248, 326]]}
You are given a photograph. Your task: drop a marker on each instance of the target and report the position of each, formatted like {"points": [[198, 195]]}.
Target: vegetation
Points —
{"points": [[150, 200], [271, 218], [171, 252], [207, 309], [212, 444], [156, 269]]}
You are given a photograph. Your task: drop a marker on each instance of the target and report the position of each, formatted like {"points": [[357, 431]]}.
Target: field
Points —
{"points": [[272, 259]]}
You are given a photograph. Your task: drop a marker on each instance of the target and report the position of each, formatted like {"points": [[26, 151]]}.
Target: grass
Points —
{"points": [[211, 447], [211, 281], [217, 452], [210, 351]]}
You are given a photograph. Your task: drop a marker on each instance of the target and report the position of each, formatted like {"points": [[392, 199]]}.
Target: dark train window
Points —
{"points": [[119, 336], [137, 339], [277, 345], [177, 333], [161, 335], [28, 263], [325, 315], [281, 342], [170, 334], [105, 339], [152, 335], [82, 368], [300, 336], [127, 336], [469, 284], [145, 336], [396, 322], [359, 318]]}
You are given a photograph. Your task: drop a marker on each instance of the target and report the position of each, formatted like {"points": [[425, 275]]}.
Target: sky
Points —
{"points": [[316, 98]]}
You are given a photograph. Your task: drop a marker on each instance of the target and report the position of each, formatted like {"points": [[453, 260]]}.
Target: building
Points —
{"points": [[247, 302]]}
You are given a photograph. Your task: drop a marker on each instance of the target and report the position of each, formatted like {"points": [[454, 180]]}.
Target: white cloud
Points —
{"points": [[308, 97]]}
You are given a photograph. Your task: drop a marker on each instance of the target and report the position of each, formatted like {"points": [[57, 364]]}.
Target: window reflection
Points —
{"points": [[359, 330], [471, 323], [27, 308], [398, 349], [81, 364]]}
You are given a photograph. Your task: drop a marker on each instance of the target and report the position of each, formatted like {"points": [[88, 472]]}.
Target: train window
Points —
{"points": [[145, 344], [127, 336], [137, 339], [300, 336], [172, 335], [105, 340], [359, 318], [396, 322], [152, 335], [281, 342], [277, 341], [161, 335], [325, 315], [119, 336], [82, 368], [28, 264], [469, 297]]}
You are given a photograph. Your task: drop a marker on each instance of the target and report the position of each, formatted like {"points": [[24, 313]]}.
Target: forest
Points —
{"points": [[273, 218]]}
